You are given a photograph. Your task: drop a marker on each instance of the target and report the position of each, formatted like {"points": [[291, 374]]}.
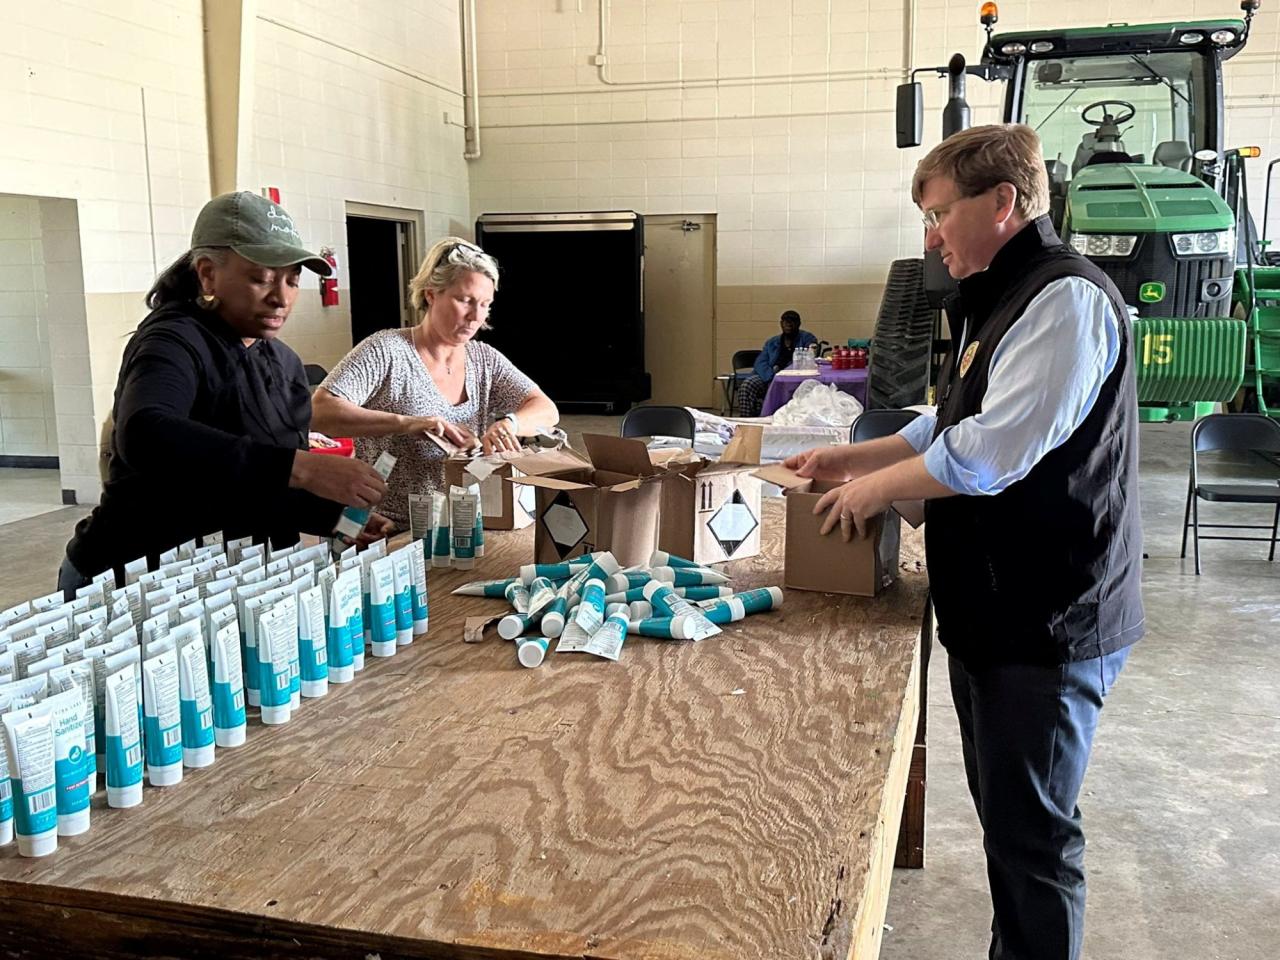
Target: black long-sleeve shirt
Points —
{"points": [[204, 438]]}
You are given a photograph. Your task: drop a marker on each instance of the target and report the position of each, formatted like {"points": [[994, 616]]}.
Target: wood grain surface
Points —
{"points": [[452, 804]]}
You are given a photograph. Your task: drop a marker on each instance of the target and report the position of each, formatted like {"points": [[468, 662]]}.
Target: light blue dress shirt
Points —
{"points": [[1045, 378]]}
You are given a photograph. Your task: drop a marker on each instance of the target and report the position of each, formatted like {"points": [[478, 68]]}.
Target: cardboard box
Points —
{"points": [[711, 509], [608, 500], [503, 506], [862, 567]]}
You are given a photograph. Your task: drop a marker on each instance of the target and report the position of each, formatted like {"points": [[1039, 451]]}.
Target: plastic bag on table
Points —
{"points": [[818, 404]]}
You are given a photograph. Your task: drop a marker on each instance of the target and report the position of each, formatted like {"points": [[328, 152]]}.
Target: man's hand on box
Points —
{"points": [[822, 463], [851, 505]]}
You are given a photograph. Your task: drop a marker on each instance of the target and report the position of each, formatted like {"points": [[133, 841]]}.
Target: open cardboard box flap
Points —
{"points": [[911, 511], [619, 455]]}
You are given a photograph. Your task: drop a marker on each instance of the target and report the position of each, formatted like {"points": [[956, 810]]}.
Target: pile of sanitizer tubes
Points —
{"points": [[148, 678], [590, 603]]}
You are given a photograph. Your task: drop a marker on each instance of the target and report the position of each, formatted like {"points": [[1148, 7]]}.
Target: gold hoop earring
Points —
{"points": [[207, 301]]}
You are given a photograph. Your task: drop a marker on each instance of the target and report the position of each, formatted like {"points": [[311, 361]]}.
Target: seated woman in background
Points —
{"points": [[399, 384], [775, 356]]}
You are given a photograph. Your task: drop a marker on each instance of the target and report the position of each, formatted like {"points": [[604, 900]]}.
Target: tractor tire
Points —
{"points": [[899, 364]]}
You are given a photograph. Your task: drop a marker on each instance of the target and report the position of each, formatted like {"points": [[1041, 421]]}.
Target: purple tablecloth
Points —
{"points": [[782, 389]]}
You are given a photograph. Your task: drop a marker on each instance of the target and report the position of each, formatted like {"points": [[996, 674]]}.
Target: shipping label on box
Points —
{"points": [[711, 510], [503, 506], [609, 500]]}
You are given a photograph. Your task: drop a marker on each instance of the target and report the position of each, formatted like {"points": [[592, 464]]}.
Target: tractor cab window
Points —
{"points": [[1118, 108]]}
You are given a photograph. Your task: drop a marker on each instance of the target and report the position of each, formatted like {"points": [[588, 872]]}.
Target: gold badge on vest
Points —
{"points": [[967, 359]]}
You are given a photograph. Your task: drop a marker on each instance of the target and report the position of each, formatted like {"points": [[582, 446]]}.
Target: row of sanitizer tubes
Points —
{"points": [[149, 679]]}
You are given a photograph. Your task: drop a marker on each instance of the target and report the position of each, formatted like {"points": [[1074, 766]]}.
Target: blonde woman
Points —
{"points": [[400, 384]]}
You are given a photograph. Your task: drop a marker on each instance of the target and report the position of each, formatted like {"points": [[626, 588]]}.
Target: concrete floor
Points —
{"points": [[28, 493], [1182, 802]]}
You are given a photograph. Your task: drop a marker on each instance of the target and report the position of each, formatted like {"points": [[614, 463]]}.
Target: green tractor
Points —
{"points": [[1131, 117]]}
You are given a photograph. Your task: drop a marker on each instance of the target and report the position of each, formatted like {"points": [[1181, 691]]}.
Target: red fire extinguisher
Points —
{"points": [[329, 284]]}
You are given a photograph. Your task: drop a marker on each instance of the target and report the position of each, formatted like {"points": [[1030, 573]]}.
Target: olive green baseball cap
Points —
{"points": [[257, 229]]}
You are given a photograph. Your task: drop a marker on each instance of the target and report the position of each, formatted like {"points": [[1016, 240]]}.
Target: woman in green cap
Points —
{"points": [[211, 411]]}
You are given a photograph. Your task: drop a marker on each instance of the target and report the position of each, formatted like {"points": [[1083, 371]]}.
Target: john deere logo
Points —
{"points": [[1151, 292]]}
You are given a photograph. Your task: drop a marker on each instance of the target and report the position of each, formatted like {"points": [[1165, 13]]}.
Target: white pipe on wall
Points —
{"points": [[470, 82]]}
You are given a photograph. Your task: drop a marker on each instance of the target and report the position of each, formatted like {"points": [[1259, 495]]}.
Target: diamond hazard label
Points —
{"points": [[565, 524], [733, 523]]}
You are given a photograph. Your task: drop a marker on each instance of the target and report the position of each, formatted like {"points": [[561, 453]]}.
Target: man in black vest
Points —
{"points": [[1029, 473]]}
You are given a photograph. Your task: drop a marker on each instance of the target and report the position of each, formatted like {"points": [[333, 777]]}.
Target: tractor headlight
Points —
{"points": [[1207, 243], [1103, 244], [1222, 36], [1014, 49]]}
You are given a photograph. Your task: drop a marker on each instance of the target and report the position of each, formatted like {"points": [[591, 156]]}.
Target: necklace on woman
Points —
{"points": [[448, 363]]}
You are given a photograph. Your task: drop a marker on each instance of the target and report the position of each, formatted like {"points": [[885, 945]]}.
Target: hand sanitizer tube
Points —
{"points": [[421, 604], [195, 705], [162, 719], [661, 558], [741, 605], [689, 576], [124, 738], [71, 774], [518, 596], [590, 614], [541, 592], [478, 536], [402, 568], [344, 597], [485, 588], [440, 554], [274, 642], [627, 580], [78, 676], [463, 507], [604, 566], [531, 651], [30, 745], [313, 654], [351, 523], [514, 624], [228, 687], [382, 600], [607, 641], [553, 619]]}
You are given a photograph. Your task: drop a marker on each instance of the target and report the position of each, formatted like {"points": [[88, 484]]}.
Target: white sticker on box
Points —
{"points": [[485, 472]]}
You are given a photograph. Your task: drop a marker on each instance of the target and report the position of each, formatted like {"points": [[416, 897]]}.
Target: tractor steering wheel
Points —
{"points": [[1103, 104]]}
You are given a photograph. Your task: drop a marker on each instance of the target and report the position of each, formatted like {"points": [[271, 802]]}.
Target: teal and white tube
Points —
{"points": [[351, 523], [421, 601], [689, 576], [463, 507], [6, 792], [630, 595], [228, 687], [124, 737], [440, 555], [382, 606], [71, 770], [604, 566], [277, 633], [742, 605], [590, 614], [477, 535], [553, 618], [402, 568], [627, 580], [30, 744], [514, 624], [693, 626], [660, 558], [344, 603], [531, 651], [541, 593], [78, 676], [607, 641], [556, 571], [195, 705], [662, 627], [640, 610], [162, 719], [485, 588], [313, 653], [704, 592], [518, 596]]}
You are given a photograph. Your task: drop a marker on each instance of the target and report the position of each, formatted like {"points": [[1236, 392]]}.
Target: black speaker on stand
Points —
{"points": [[570, 305]]}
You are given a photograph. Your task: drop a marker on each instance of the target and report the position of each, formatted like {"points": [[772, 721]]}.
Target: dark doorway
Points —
{"points": [[375, 254]]}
